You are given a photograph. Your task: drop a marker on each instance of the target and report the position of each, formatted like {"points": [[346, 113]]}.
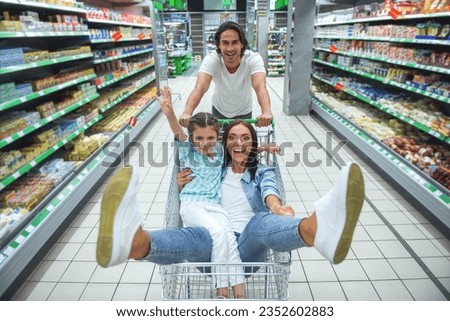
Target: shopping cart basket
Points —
{"points": [[195, 280]]}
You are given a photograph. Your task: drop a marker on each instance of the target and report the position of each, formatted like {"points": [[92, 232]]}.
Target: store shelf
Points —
{"points": [[25, 243], [44, 92], [391, 39], [27, 167], [390, 61], [33, 4], [386, 81], [21, 249], [430, 195], [121, 98], [43, 63], [115, 80], [117, 23], [121, 40], [29, 34], [99, 61], [387, 110], [387, 18], [21, 133]]}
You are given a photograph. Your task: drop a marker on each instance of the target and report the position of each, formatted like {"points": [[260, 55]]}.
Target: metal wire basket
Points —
{"points": [[195, 280]]}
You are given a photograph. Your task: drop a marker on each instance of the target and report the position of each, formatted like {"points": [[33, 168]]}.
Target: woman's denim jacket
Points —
{"points": [[258, 189]]}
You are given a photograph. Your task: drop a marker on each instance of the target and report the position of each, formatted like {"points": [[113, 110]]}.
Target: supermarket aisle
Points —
{"points": [[396, 253]]}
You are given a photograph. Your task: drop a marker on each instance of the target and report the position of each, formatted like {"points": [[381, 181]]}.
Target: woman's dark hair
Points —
{"points": [[252, 160], [231, 25], [202, 120]]}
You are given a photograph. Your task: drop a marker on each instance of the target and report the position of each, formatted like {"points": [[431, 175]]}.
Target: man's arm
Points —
{"points": [[201, 87], [259, 85]]}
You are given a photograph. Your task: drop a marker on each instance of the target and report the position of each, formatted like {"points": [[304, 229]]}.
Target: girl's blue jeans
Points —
{"points": [[264, 231]]}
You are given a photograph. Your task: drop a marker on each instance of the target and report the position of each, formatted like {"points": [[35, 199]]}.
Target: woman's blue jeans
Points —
{"points": [[264, 231]]}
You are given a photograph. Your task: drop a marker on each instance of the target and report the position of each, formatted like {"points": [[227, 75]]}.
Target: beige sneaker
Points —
{"points": [[337, 214], [119, 218]]}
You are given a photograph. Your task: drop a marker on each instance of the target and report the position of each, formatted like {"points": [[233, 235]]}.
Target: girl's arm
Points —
{"points": [[165, 102]]}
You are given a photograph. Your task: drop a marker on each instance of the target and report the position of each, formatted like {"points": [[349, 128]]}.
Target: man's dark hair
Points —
{"points": [[231, 25], [202, 120]]}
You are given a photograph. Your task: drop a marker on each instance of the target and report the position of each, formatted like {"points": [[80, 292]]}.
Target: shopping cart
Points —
{"points": [[195, 280]]}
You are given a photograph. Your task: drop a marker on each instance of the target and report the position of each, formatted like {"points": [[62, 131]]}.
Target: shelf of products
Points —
{"points": [[57, 122], [384, 84], [276, 53]]}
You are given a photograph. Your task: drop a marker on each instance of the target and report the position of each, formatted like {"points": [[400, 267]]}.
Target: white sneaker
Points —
{"points": [[337, 213], [119, 218]]}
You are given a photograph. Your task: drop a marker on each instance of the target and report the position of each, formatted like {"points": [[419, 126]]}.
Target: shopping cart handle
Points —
{"points": [[250, 121]]}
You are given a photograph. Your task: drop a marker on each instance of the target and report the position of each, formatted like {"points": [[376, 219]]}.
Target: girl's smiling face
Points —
{"points": [[204, 139]]}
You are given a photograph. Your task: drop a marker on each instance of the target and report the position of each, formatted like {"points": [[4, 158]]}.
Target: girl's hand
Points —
{"points": [[165, 100], [283, 210], [184, 177]]}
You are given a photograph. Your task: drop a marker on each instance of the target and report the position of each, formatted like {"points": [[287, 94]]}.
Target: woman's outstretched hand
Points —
{"points": [[184, 177], [283, 210]]}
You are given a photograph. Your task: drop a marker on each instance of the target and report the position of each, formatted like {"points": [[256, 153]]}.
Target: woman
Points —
{"points": [[254, 217]]}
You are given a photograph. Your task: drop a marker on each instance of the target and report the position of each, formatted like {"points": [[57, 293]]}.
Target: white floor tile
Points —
{"points": [[393, 249], [35, 291], [392, 290], [378, 270], [79, 272], [366, 250], [350, 270], [98, 292], [300, 292], [407, 268], [63, 251], [424, 290], [108, 275], [137, 272], [130, 292], [67, 292], [440, 267], [319, 271], [424, 248], [49, 271], [359, 291], [327, 291]]}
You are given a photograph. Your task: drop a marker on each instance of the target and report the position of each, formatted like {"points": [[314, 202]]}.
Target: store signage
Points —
{"points": [[333, 49], [141, 36], [394, 13], [227, 3], [117, 36], [338, 86], [133, 121]]}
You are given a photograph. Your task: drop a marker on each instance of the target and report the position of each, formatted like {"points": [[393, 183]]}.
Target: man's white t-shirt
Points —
{"points": [[233, 92], [234, 201]]}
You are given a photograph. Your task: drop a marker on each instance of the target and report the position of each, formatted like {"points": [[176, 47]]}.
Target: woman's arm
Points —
{"points": [[184, 177], [270, 148]]}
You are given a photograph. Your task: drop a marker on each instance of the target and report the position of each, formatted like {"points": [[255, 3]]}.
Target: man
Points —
{"points": [[235, 70]]}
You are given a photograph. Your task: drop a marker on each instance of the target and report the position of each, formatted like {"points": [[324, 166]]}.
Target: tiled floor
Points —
{"points": [[396, 253]]}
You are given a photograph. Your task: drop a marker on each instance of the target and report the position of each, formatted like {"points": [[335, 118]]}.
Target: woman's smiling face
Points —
{"points": [[239, 143]]}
